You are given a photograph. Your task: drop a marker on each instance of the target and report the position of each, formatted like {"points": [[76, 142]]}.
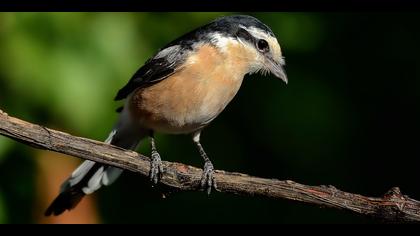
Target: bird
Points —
{"points": [[180, 90]]}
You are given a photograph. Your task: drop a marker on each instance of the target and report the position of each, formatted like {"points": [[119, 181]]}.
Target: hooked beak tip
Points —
{"points": [[278, 70], [279, 73]]}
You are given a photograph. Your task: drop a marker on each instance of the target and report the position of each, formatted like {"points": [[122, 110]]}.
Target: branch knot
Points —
{"points": [[394, 194], [3, 113]]}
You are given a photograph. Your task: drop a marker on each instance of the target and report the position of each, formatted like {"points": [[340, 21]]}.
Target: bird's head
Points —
{"points": [[248, 39]]}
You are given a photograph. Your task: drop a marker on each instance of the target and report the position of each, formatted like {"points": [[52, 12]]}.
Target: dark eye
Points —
{"points": [[262, 45]]}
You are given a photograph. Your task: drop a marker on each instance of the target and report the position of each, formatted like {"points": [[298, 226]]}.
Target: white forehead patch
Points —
{"points": [[257, 33], [222, 41]]}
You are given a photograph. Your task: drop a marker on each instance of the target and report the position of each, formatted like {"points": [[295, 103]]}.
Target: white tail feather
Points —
{"points": [[77, 175], [90, 176], [104, 175], [94, 182], [110, 175], [123, 135]]}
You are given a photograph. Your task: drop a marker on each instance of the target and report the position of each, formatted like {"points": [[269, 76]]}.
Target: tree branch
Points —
{"points": [[392, 206]]}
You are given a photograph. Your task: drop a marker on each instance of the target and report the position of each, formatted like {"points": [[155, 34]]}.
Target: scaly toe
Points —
{"points": [[207, 179], [156, 167]]}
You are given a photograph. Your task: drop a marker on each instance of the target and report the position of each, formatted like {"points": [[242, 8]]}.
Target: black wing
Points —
{"points": [[161, 66], [165, 62], [168, 60]]}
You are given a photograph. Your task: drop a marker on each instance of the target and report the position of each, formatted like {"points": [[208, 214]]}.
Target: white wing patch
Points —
{"points": [[169, 53]]}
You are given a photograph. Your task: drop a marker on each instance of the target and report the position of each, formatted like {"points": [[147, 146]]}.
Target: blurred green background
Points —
{"points": [[349, 116]]}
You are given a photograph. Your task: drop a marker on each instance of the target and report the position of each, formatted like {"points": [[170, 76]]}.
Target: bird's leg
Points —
{"points": [[207, 178], [156, 168]]}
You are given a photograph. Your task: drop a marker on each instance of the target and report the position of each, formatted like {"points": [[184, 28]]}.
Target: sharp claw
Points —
{"points": [[155, 180], [160, 168], [210, 182], [214, 183], [209, 179], [203, 182]]}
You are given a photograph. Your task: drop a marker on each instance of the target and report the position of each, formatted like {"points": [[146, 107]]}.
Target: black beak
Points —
{"points": [[277, 69]]}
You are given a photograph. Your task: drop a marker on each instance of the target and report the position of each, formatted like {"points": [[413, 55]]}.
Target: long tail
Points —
{"points": [[90, 176]]}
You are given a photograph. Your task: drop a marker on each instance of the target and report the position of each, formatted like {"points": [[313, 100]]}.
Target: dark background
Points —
{"points": [[348, 117]]}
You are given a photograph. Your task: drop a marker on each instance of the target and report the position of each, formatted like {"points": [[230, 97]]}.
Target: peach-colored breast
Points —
{"points": [[192, 97]]}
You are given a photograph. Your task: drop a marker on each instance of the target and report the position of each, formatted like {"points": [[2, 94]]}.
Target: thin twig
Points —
{"points": [[392, 206]]}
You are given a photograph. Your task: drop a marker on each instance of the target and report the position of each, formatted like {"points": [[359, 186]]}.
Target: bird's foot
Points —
{"points": [[156, 167], [207, 179]]}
